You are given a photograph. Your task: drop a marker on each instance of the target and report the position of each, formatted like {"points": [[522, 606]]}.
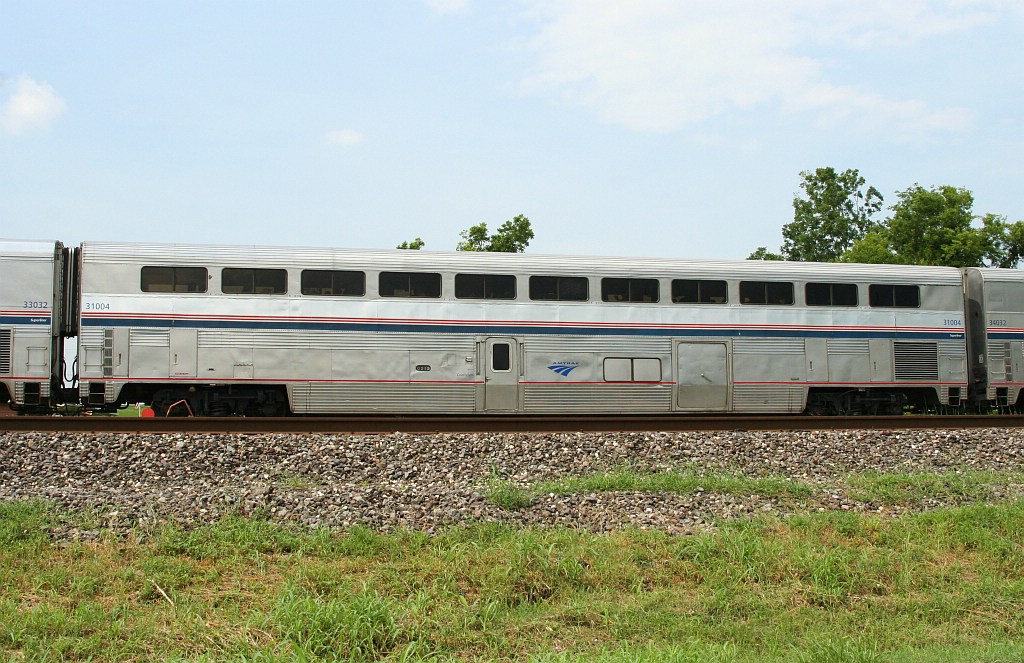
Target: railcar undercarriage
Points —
{"points": [[850, 402], [214, 401]]}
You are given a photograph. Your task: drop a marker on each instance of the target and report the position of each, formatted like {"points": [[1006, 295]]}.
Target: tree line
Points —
{"points": [[513, 236], [835, 220]]}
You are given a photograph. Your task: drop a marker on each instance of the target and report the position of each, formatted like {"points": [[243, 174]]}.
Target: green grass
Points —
{"points": [[131, 411], [905, 488], [944, 585], [688, 481], [954, 487]]}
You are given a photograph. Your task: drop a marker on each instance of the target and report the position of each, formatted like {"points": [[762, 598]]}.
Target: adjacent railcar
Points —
{"points": [[260, 330], [995, 304], [33, 298]]}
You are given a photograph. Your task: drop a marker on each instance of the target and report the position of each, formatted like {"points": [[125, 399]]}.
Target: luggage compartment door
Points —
{"points": [[501, 375], [184, 352], [702, 376]]}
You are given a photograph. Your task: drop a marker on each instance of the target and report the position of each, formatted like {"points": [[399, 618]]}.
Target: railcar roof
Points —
{"points": [[321, 257], [27, 248], [1008, 275]]}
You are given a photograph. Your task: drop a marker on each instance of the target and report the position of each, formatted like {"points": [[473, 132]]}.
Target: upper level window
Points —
{"points": [[629, 290], [699, 291], [774, 293], [409, 284], [895, 296], [333, 282], [485, 286], [174, 279], [252, 281], [831, 294], [559, 288]]}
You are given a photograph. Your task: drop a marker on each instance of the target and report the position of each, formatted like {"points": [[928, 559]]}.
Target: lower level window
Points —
{"points": [[632, 369]]}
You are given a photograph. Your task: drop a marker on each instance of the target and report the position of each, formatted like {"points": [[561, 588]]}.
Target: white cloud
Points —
{"points": [[660, 65], [32, 105], [344, 137]]}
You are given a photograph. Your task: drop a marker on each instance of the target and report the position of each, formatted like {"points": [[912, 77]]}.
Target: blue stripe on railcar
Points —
{"points": [[1006, 336], [23, 320]]}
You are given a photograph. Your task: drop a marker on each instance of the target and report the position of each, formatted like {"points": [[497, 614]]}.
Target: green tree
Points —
{"points": [[832, 221], [933, 227], [937, 227], [762, 253], [873, 249], [1005, 241], [513, 236], [833, 212], [414, 245]]}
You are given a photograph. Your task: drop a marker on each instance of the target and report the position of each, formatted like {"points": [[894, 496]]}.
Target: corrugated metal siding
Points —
{"points": [[760, 346], [154, 338], [848, 346], [951, 348], [597, 398], [369, 397], [766, 398], [608, 345], [325, 340]]}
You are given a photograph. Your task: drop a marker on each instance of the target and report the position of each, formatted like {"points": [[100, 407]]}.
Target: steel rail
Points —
{"points": [[489, 424]]}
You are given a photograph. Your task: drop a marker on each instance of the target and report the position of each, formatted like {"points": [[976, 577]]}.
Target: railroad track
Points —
{"points": [[437, 424]]}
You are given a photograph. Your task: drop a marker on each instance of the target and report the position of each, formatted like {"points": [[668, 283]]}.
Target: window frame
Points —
{"points": [[701, 285], [413, 291], [255, 273], [488, 289], [633, 294], [848, 287], [506, 357], [307, 290], [616, 366], [767, 285], [174, 279], [534, 285], [894, 289]]}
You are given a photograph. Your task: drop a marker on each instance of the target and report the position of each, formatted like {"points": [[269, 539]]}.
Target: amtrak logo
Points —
{"points": [[563, 368]]}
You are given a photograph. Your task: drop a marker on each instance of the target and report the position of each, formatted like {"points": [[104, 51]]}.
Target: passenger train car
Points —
{"points": [[221, 330], [997, 299], [34, 282]]}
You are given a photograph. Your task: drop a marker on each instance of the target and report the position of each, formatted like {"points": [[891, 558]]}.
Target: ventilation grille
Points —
{"points": [[848, 346], [5, 351], [916, 361], [152, 338]]}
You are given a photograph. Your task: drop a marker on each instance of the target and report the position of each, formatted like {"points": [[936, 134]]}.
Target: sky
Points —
{"points": [[663, 128]]}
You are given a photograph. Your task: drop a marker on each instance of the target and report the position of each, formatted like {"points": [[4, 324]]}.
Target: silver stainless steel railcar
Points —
{"points": [[995, 304], [231, 329], [34, 296]]}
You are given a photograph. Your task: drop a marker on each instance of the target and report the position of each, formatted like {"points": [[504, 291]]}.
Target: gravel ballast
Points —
{"points": [[430, 482]]}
